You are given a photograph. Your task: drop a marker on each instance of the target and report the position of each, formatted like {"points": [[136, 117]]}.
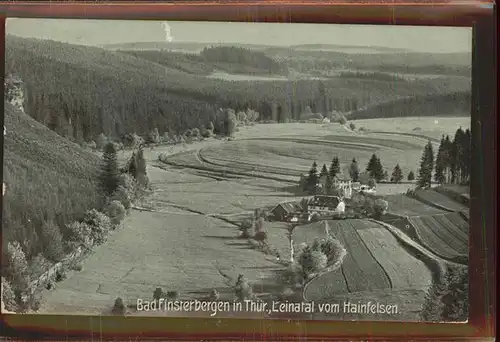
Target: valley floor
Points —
{"points": [[176, 240]]}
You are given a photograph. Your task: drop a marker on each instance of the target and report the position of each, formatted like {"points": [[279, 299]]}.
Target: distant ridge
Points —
{"points": [[198, 46]]}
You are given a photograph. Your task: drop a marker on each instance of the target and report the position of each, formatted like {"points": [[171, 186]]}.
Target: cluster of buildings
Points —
{"points": [[322, 205]]}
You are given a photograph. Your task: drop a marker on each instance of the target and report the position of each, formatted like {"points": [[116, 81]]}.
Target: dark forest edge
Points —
{"points": [[142, 95], [44, 237]]}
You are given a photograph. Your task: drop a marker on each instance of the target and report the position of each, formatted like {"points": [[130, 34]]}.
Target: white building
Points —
{"points": [[325, 205]]}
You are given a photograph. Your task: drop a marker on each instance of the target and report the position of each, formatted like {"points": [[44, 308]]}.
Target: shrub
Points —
{"points": [[35, 302], [80, 233], [214, 295], [243, 288], [372, 183], [118, 307], [92, 145], [122, 196], [447, 299], [38, 265], [261, 237], [128, 182], [131, 140], [380, 207], [16, 267], [352, 126], [172, 295], [158, 293], [8, 296], [101, 141], [153, 136], [293, 275], [52, 241], [60, 275], [312, 261], [315, 217], [332, 248], [286, 294], [206, 133], [245, 228], [77, 267], [411, 176], [99, 223], [116, 212]]}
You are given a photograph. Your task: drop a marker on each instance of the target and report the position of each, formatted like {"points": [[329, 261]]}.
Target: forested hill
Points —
{"points": [[453, 104], [47, 177], [230, 59], [89, 90], [81, 91]]}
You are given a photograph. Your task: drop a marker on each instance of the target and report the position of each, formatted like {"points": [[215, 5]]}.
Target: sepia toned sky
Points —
{"points": [[100, 32]]}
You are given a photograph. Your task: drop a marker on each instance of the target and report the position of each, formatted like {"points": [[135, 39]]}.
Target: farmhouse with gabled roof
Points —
{"points": [[283, 210]]}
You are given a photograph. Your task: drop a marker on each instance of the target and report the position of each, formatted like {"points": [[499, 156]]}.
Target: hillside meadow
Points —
{"points": [[186, 232]]}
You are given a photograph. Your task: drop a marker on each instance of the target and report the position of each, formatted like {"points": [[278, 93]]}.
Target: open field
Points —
{"points": [[165, 248], [439, 200], [444, 235], [289, 157], [403, 205], [426, 127], [376, 261], [183, 227]]}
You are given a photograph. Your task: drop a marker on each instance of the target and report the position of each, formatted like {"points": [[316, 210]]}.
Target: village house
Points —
{"points": [[283, 210], [325, 205]]}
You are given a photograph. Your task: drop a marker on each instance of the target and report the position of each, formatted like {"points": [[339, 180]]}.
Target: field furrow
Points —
{"points": [[431, 241], [404, 270], [326, 286], [461, 237], [460, 222], [361, 270], [408, 143], [440, 200], [403, 205], [449, 238]]}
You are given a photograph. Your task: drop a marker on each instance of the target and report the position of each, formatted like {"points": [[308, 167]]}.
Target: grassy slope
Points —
{"points": [[45, 174], [458, 104]]}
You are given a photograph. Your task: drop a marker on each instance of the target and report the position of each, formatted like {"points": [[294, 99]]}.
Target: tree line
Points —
{"points": [[325, 179], [245, 58], [451, 164], [75, 91]]}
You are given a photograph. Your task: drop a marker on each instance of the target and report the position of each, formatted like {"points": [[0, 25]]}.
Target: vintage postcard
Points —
{"points": [[217, 169]]}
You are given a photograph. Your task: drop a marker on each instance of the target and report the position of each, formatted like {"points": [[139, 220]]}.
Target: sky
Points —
{"points": [[101, 32]]}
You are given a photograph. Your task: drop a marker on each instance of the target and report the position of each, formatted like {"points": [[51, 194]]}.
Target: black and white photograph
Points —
{"points": [[236, 170]]}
